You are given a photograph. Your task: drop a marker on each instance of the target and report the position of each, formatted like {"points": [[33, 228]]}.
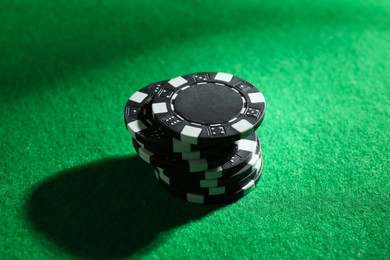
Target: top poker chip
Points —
{"points": [[204, 108]]}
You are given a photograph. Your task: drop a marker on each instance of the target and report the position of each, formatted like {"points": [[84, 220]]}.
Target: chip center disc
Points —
{"points": [[208, 103]]}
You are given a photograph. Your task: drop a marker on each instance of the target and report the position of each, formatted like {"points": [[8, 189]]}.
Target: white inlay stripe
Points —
{"points": [[180, 147], [248, 186], [195, 198], [256, 97], [164, 178], [217, 191], [223, 77], [140, 144], [214, 173], [190, 155], [259, 163], [242, 126], [145, 154], [208, 183], [198, 165], [176, 82], [254, 159], [247, 145], [159, 108], [138, 97], [189, 134], [135, 127]]}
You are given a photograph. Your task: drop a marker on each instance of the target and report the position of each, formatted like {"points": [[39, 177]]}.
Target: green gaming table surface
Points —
{"points": [[71, 185]]}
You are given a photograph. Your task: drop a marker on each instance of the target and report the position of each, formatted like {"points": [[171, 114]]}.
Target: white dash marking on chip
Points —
{"points": [[242, 126], [190, 155], [135, 127], [140, 144], [258, 164], [208, 183], [138, 97], [190, 134], [254, 159], [235, 90], [248, 187], [217, 191], [164, 178], [145, 154], [247, 145], [176, 82], [223, 77], [195, 198], [198, 165], [159, 108], [256, 97], [232, 120], [214, 173], [179, 146]]}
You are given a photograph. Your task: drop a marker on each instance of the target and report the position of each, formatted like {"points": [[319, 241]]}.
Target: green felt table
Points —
{"points": [[72, 186]]}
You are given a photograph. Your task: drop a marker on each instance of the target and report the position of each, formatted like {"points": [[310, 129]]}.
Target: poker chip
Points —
{"points": [[208, 107], [199, 133], [245, 154]]}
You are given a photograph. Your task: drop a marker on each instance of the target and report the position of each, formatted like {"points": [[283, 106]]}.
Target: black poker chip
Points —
{"points": [[208, 107], [199, 133], [248, 151]]}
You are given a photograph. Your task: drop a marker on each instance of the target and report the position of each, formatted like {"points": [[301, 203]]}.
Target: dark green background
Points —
{"points": [[71, 185]]}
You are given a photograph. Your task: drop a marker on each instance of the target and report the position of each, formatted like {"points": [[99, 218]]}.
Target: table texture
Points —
{"points": [[71, 185]]}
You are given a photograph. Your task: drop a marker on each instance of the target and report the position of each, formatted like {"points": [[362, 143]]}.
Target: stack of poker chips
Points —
{"points": [[198, 131]]}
